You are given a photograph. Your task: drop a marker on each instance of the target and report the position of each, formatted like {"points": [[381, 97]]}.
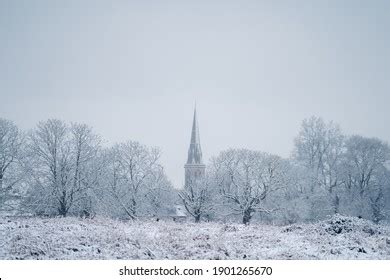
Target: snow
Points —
{"points": [[101, 238]]}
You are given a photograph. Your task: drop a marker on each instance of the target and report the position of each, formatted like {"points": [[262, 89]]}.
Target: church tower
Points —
{"points": [[194, 168]]}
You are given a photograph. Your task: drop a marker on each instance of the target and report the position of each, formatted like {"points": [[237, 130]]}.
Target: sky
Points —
{"points": [[133, 70]]}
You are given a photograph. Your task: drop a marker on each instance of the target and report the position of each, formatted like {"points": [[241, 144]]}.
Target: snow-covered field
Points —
{"points": [[99, 238]]}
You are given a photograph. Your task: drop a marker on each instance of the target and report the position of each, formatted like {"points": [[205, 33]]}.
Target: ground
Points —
{"points": [[99, 238]]}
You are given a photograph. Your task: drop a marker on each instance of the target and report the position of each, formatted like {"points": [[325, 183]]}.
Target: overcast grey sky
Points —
{"points": [[133, 70]]}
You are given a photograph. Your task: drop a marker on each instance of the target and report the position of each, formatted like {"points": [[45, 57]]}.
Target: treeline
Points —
{"points": [[63, 169], [328, 173]]}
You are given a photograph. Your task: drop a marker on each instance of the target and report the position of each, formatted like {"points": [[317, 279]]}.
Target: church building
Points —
{"points": [[194, 168]]}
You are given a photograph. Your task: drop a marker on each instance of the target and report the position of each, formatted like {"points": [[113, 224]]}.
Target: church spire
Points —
{"points": [[195, 151], [195, 130]]}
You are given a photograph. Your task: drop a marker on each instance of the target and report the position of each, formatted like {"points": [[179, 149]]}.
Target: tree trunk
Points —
{"points": [[133, 207], [197, 215], [62, 209], [247, 216], [376, 208], [336, 204]]}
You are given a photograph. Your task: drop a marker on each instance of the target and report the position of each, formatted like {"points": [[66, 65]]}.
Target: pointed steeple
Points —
{"points": [[195, 151], [195, 130]]}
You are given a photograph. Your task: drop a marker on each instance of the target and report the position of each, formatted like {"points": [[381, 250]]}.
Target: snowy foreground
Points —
{"points": [[76, 238]]}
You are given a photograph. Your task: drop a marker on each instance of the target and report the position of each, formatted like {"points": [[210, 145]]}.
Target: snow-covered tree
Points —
{"points": [[134, 178], [87, 169], [291, 200], [366, 174], [10, 155], [198, 198], [160, 196], [379, 195], [319, 148], [60, 161], [245, 178]]}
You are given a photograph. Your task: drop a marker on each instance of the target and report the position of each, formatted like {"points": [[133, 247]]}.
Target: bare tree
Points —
{"points": [[10, 152], [197, 198], [245, 178], [377, 195], [319, 148], [160, 196], [86, 170], [60, 157], [291, 201], [133, 172], [364, 167]]}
